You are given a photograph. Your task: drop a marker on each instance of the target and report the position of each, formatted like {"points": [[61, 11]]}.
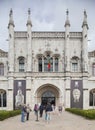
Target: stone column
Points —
{"points": [[85, 43], [42, 64], [28, 90], [11, 42], [85, 94], [67, 93], [10, 93], [53, 64], [32, 94], [29, 43]]}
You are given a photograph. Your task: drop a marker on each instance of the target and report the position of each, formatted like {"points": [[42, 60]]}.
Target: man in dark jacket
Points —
{"points": [[47, 112]]}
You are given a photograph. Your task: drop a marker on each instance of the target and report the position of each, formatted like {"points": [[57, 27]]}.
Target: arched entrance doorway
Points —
{"points": [[48, 96], [47, 93]]}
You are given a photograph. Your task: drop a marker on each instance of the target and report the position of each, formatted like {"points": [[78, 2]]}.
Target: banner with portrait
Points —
{"points": [[19, 93], [76, 94]]}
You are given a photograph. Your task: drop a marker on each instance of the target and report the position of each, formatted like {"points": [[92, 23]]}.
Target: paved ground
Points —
{"points": [[65, 121]]}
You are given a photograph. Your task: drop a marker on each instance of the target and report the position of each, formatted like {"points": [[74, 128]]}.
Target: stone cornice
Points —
{"points": [[48, 34], [23, 34]]}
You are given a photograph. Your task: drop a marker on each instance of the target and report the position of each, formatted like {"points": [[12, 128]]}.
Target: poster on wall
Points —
{"points": [[76, 94], [19, 93]]}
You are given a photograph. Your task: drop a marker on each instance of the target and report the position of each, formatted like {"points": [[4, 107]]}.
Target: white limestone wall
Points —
{"points": [[10, 93], [20, 50], [90, 61], [67, 93], [75, 47], [4, 60], [28, 90], [85, 93], [3, 83]]}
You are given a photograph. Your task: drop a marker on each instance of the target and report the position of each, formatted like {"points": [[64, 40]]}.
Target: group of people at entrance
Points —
{"points": [[40, 111], [43, 108]]}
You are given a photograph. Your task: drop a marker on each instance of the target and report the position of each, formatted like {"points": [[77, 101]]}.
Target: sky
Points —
{"points": [[47, 15]]}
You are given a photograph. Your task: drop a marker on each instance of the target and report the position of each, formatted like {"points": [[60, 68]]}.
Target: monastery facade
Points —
{"points": [[42, 67]]}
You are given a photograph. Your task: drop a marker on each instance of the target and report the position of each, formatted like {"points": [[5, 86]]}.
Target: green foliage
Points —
{"points": [[89, 114], [7, 114]]}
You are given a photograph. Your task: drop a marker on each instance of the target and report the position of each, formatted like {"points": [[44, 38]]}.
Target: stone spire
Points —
{"points": [[11, 22], [29, 18], [29, 42], [85, 44], [67, 22], [11, 42], [67, 43], [85, 20]]}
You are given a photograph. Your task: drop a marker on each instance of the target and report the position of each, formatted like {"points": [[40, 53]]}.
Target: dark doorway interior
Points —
{"points": [[45, 100], [48, 96]]}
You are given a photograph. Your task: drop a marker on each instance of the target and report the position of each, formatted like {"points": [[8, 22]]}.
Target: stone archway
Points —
{"points": [[49, 92]]}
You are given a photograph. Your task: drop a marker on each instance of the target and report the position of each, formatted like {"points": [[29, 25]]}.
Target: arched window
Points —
{"points": [[1, 69], [74, 64], [93, 69], [40, 64], [21, 64], [92, 98], [2, 98]]}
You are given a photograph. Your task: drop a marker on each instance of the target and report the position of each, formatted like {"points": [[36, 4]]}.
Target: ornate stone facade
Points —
{"points": [[47, 67]]}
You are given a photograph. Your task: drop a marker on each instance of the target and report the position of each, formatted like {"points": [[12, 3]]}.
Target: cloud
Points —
{"points": [[46, 15]]}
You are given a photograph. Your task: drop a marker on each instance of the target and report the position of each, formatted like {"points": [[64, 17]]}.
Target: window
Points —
{"points": [[74, 67], [21, 64], [93, 69], [74, 64], [40, 64], [1, 69], [48, 63], [2, 98]]}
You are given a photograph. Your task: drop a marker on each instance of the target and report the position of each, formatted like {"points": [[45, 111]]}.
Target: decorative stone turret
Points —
{"points": [[85, 20], [67, 55], [11, 22], [29, 18], [11, 42], [67, 22], [29, 43], [85, 43]]}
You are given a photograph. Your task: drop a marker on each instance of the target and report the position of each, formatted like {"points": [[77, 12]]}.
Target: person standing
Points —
{"points": [[36, 109], [41, 108], [60, 108], [48, 112], [28, 109], [23, 112]]}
